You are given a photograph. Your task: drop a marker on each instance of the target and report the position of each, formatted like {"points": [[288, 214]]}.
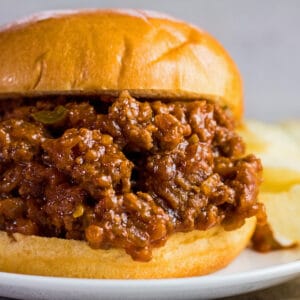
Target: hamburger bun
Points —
{"points": [[185, 254], [104, 52]]}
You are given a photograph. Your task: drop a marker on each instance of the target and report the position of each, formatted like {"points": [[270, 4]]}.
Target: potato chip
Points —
{"points": [[279, 152], [276, 180], [293, 129], [283, 210], [278, 146], [272, 144]]}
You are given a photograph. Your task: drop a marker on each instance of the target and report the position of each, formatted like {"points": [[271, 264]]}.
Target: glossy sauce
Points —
{"points": [[121, 172]]}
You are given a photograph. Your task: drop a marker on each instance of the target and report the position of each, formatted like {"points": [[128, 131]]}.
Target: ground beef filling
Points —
{"points": [[121, 172]]}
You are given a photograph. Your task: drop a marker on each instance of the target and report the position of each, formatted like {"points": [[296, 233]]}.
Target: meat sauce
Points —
{"points": [[121, 172]]}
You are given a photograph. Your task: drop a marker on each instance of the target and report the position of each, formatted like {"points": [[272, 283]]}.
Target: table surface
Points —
{"points": [[286, 291]]}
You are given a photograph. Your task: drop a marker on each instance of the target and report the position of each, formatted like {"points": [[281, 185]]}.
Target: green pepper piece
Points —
{"points": [[49, 117]]}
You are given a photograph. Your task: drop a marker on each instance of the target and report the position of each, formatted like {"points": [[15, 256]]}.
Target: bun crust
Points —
{"points": [[105, 51], [185, 254]]}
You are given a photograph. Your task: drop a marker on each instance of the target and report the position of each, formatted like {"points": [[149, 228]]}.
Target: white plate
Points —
{"points": [[249, 272]]}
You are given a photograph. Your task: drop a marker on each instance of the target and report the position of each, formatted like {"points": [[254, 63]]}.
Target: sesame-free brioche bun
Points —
{"points": [[104, 51], [185, 254]]}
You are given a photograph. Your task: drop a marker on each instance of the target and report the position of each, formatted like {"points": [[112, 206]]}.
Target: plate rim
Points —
{"points": [[271, 272]]}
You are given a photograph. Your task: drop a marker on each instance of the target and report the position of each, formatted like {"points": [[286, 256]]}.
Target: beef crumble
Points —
{"points": [[125, 174]]}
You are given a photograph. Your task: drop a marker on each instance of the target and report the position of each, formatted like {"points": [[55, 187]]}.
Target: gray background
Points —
{"points": [[262, 36]]}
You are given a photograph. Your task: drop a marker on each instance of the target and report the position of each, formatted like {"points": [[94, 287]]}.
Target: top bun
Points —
{"points": [[105, 51]]}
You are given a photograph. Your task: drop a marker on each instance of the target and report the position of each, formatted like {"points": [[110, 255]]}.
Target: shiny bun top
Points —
{"points": [[105, 51]]}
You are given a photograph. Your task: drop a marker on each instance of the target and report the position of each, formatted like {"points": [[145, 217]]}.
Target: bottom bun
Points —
{"points": [[185, 254]]}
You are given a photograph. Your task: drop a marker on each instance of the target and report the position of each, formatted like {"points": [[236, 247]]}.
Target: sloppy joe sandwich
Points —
{"points": [[119, 154]]}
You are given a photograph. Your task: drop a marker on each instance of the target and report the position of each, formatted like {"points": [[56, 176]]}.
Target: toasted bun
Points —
{"points": [[185, 254], [105, 51]]}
